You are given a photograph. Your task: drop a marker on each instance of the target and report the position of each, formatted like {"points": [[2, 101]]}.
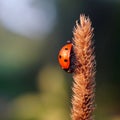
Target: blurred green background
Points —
{"points": [[33, 86]]}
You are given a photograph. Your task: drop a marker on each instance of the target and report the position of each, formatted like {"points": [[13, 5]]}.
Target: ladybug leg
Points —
{"points": [[72, 62]]}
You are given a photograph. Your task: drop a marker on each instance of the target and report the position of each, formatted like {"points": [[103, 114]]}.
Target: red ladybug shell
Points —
{"points": [[64, 56]]}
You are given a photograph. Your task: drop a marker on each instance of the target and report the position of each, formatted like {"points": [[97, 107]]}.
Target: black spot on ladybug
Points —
{"points": [[65, 60], [66, 48], [60, 56]]}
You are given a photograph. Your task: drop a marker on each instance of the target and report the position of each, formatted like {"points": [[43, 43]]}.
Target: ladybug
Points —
{"points": [[64, 57]]}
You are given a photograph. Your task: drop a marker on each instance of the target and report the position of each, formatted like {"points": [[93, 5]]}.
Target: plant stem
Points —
{"points": [[84, 73]]}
